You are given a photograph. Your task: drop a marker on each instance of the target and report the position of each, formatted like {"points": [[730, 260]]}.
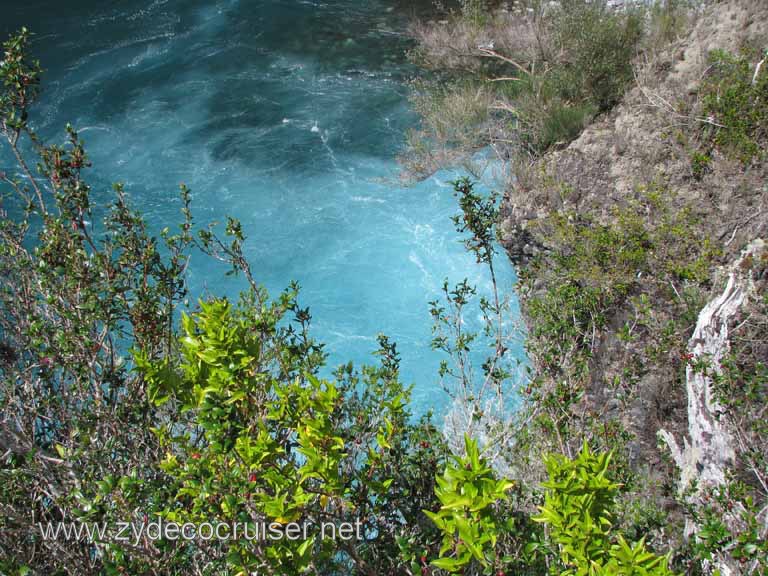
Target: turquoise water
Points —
{"points": [[285, 114]]}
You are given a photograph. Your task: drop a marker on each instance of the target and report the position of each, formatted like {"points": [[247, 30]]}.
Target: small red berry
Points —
{"points": [[195, 456], [252, 477]]}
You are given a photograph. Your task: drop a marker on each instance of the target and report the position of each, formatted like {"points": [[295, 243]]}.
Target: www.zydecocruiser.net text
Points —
{"points": [[137, 532]]}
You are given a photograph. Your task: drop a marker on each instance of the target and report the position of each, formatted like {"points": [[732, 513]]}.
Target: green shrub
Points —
{"points": [[451, 114], [475, 10], [667, 21], [736, 107], [266, 439], [221, 419], [594, 267], [558, 67], [731, 524], [598, 44], [649, 252], [73, 296], [578, 509], [594, 47], [563, 123], [468, 491], [700, 164]]}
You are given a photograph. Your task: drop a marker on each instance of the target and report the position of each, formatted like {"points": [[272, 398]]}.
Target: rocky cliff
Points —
{"points": [[630, 243]]}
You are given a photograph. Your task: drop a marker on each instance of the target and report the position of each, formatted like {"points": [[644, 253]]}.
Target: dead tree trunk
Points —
{"points": [[708, 451]]}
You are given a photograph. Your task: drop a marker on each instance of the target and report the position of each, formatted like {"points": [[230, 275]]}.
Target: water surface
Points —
{"points": [[286, 114]]}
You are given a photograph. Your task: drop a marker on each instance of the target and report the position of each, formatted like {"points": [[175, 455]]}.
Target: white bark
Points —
{"points": [[708, 451]]}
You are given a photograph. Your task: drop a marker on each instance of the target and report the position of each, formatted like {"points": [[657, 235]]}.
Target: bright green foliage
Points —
{"points": [[226, 422], [264, 440], [577, 505], [736, 105], [467, 492], [229, 420], [578, 508]]}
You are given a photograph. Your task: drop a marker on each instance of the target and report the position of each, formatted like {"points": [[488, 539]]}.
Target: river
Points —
{"points": [[286, 114]]}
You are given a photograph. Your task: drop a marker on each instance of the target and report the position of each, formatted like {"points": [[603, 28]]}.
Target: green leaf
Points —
{"points": [[448, 564]]}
